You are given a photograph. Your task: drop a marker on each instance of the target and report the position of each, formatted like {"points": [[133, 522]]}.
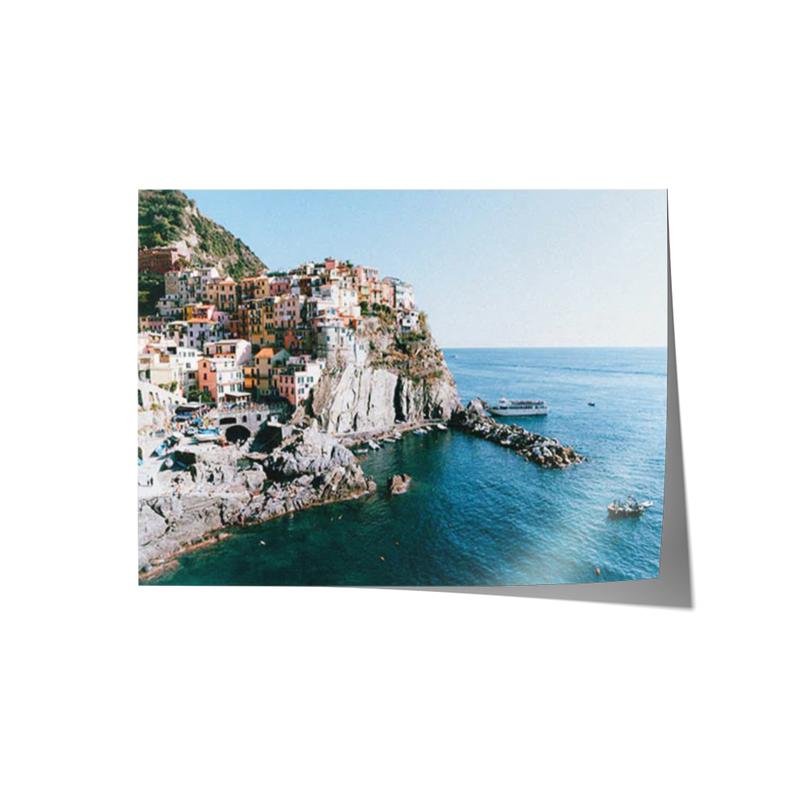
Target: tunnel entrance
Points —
{"points": [[237, 433]]}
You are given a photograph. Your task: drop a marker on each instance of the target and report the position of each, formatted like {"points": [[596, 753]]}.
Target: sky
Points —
{"points": [[490, 268]]}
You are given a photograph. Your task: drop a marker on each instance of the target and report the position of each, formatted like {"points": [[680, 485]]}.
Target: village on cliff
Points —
{"points": [[266, 338], [295, 370]]}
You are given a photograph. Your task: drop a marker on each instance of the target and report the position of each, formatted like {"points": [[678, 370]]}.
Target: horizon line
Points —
{"points": [[553, 346]]}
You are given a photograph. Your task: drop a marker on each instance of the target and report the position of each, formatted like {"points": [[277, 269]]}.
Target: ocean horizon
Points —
{"points": [[476, 513]]}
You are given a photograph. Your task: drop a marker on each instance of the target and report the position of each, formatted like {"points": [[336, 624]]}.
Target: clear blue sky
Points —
{"points": [[491, 268]]}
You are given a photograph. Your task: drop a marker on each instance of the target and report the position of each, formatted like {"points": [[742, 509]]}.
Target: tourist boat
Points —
{"points": [[631, 508], [518, 408], [207, 435]]}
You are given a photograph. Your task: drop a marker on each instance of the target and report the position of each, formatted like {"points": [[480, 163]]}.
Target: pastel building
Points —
{"points": [[336, 340], [199, 331], [222, 293], [169, 307], [221, 377], [279, 284], [255, 287], [408, 320], [387, 292], [289, 310], [297, 379], [403, 293], [257, 321], [239, 349], [366, 275]]}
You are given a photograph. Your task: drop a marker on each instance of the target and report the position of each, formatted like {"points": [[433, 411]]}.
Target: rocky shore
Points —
{"points": [[540, 450], [224, 486]]}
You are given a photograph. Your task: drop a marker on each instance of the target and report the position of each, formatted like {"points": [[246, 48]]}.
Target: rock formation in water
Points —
{"points": [[540, 450], [398, 484]]}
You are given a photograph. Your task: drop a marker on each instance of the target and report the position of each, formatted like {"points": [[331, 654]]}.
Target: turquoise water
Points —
{"points": [[477, 514]]}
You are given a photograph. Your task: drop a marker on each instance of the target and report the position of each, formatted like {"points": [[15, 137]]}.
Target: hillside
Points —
{"points": [[169, 217]]}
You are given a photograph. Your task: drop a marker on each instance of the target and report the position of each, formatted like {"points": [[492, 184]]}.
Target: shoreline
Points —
{"points": [[217, 535]]}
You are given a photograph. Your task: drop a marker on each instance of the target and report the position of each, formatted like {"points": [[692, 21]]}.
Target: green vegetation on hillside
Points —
{"points": [[151, 290], [165, 218], [161, 217]]}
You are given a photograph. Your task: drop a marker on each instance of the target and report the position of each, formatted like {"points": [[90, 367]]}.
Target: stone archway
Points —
{"points": [[237, 433]]}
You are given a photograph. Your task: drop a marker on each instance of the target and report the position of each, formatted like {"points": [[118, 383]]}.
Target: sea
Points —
{"points": [[477, 514]]}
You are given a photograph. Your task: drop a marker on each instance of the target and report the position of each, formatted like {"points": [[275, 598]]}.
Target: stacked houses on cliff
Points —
{"points": [[265, 337]]}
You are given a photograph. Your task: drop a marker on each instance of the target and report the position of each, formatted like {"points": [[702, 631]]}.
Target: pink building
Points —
{"points": [[289, 310], [387, 292], [298, 378], [279, 284], [365, 275], [221, 377]]}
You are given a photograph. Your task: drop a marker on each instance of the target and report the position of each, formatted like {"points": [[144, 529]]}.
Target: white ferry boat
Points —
{"points": [[519, 408]]}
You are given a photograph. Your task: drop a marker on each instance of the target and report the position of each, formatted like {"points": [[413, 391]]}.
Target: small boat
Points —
{"points": [[207, 435], [373, 445], [419, 432], [631, 508], [518, 408], [441, 427], [591, 404]]}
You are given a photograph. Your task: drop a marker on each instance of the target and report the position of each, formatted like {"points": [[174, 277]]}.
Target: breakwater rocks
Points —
{"points": [[218, 490], [540, 450]]}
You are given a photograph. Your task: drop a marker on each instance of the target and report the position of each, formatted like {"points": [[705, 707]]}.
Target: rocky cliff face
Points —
{"points": [[355, 399], [405, 378], [310, 469]]}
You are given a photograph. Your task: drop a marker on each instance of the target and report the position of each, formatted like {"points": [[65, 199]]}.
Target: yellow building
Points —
{"points": [[255, 288], [264, 372], [258, 321], [223, 293]]}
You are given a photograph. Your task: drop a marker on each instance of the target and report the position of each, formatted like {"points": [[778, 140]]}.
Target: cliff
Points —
{"points": [[405, 378]]}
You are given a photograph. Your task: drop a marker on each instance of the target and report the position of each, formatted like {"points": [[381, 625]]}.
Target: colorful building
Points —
{"points": [[255, 287], [221, 377], [238, 349], [387, 293], [160, 260], [289, 310], [279, 284], [296, 380], [199, 331], [224, 293]]}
